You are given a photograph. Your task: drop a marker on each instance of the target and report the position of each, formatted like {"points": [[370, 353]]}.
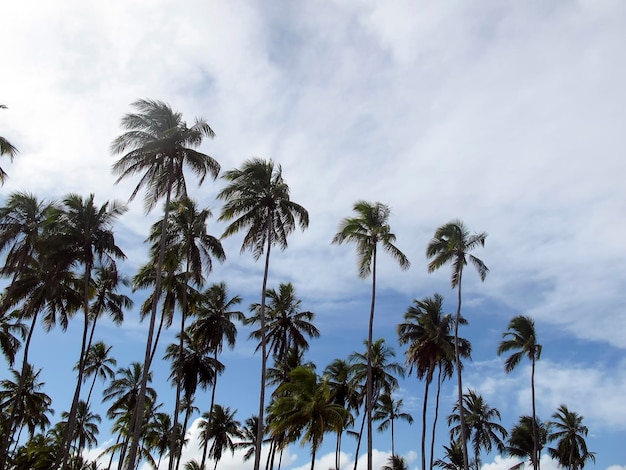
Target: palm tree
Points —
{"points": [[396, 462], [483, 430], [6, 148], [87, 232], [248, 437], [304, 408], [339, 375], [159, 434], [384, 375], [569, 432], [452, 243], [522, 339], [99, 364], [187, 240], [223, 428], [521, 441], [387, 411], [454, 456], [426, 329], [257, 200], [86, 427], [10, 328], [214, 325], [159, 144], [367, 230], [285, 324]]}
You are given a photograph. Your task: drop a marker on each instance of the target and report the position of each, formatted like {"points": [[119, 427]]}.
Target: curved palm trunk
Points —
{"points": [[338, 450], [457, 359], [358, 442], [206, 444], [182, 444], [429, 379], [368, 387], [10, 423], [141, 399], [180, 362], [259, 436], [432, 442], [313, 452], [68, 435], [536, 456]]}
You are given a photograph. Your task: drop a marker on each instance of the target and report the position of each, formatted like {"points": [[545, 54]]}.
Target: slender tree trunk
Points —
{"points": [[393, 449], [459, 378], [338, 450], [424, 409], [68, 435], [259, 436], [432, 442], [358, 442], [16, 408], [206, 444], [119, 436], [313, 452], [141, 399], [536, 455], [182, 444], [369, 385]]}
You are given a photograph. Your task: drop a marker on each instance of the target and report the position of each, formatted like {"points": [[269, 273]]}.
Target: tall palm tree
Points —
{"points": [[99, 363], [86, 427], [286, 326], [454, 456], [304, 408], [383, 375], [248, 437], [369, 228], [344, 390], [522, 339], [224, 427], [484, 431], [187, 240], [521, 441], [452, 243], [87, 232], [6, 148], [213, 325], [426, 329], [158, 144], [387, 411], [569, 432], [396, 462], [257, 200]]}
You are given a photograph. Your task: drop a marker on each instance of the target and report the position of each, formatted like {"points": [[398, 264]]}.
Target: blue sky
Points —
{"points": [[507, 115]]}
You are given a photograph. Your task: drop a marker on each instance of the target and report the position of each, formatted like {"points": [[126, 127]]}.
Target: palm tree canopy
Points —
{"points": [[6, 148], [256, 198], [384, 373], [158, 143], [453, 242], [368, 228], [520, 441], [520, 336], [569, 432], [388, 410]]}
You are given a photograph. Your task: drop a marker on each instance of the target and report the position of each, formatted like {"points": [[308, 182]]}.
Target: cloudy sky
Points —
{"points": [[507, 115]]}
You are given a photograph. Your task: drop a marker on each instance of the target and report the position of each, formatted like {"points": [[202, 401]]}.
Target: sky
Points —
{"points": [[507, 115]]}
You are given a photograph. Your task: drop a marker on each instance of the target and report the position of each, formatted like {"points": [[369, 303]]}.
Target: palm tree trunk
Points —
{"points": [[338, 449], [536, 456], [15, 409], [182, 444], [393, 450], [206, 444], [457, 359], [68, 435], [368, 387], [259, 436], [424, 408], [358, 442], [432, 442], [313, 452]]}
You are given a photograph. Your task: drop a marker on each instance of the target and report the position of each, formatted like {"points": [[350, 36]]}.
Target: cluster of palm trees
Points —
{"points": [[60, 259]]}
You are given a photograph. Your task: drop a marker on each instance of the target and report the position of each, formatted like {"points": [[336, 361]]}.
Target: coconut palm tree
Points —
{"points": [[11, 328], [86, 427], [257, 200], [344, 390], [521, 441], [367, 230], [484, 431], [384, 375], [426, 329], [86, 231], [98, 363], [248, 437], [158, 144], [6, 148], [569, 432], [304, 409], [213, 325], [224, 427], [396, 462], [286, 326], [387, 411], [522, 339], [454, 456], [187, 240], [452, 243]]}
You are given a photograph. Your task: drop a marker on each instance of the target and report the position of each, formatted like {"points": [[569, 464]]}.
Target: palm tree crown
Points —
{"points": [[569, 432]]}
